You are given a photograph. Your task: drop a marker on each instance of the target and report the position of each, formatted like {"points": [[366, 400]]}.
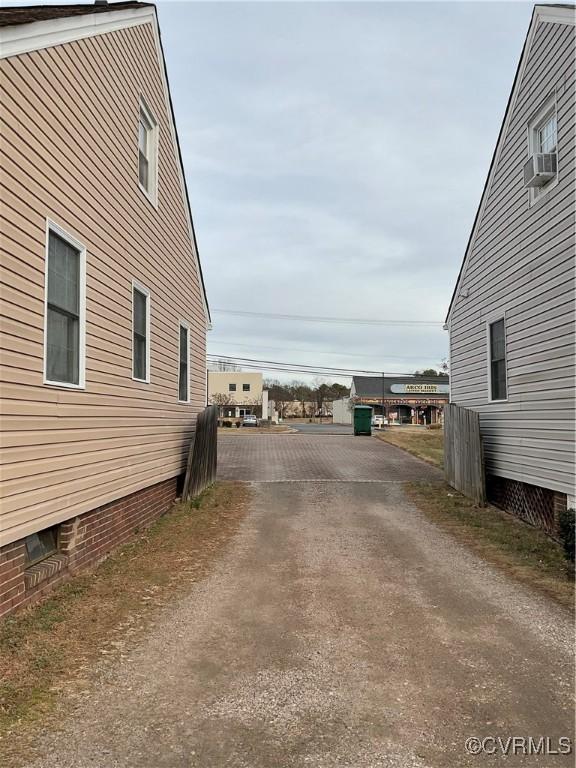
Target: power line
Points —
{"points": [[289, 366], [295, 371], [275, 365], [334, 320], [317, 352]]}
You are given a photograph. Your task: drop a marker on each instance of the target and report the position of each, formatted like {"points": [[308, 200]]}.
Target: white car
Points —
{"points": [[379, 421], [249, 421]]}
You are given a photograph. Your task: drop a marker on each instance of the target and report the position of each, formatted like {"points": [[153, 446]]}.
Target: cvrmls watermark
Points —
{"points": [[518, 745]]}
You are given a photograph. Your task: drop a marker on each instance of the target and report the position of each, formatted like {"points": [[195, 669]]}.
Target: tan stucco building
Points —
{"points": [[103, 312], [238, 393]]}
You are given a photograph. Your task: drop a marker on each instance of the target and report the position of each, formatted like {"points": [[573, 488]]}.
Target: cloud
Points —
{"points": [[335, 155]]}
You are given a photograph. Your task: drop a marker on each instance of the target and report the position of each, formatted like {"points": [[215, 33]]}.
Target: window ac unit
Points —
{"points": [[539, 169]]}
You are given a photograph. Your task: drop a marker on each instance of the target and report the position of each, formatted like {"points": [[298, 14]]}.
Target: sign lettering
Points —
{"points": [[428, 389]]}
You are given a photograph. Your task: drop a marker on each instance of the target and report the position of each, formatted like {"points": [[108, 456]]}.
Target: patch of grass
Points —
{"points": [[48, 646], [523, 552], [425, 444]]}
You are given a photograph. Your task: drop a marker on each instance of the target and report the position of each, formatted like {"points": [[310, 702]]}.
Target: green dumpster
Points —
{"points": [[362, 420]]}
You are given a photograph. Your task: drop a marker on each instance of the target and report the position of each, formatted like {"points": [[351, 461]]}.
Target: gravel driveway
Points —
{"points": [[341, 629]]}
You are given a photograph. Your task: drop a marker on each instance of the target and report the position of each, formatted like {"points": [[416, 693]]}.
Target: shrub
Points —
{"points": [[566, 525], [226, 423]]}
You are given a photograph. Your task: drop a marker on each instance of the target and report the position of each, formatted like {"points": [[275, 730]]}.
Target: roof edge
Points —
{"points": [[16, 39], [47, 33]]}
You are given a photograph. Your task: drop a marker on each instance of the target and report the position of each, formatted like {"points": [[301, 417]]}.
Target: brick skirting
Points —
{"points": [[84, 541]]}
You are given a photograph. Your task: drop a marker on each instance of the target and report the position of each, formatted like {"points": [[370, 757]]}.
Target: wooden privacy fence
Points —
{"points": [[202, 457], [463, 455]]}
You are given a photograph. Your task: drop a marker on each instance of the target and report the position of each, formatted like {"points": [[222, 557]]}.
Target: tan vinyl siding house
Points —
{"points": [[519, 268], [74, 89]]}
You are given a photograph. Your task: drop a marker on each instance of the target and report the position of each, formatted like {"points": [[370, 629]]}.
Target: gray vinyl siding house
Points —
{"points": [[519, 268]]}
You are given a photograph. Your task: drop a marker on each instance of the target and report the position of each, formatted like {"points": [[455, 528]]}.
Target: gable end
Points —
{"points": [[555, 14]]}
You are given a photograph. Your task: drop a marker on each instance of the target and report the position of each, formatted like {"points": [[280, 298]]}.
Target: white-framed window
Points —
{"points": [[148, 153], [184, 363], [245, 387], [140, 332], [231, 387], [543, 139], [64, 309], [497, 365]]}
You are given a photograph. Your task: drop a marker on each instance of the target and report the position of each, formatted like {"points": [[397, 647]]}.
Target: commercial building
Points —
{"points": [[400, 399], [238, 394]]}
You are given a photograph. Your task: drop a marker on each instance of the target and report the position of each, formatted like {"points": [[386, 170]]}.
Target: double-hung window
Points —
{"points": [[183, 356], [546, 135], [497, 353], [245, 387], [147, 153], [543, 146], [140, 333], [64, 311]]}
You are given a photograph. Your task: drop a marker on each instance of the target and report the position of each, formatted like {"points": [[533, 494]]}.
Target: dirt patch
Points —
{"points": [[51, 646], [426, 444], [523, 552]]}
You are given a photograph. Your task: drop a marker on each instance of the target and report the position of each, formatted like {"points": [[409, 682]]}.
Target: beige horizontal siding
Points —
{"points": [[523, 264], [69, 153]]}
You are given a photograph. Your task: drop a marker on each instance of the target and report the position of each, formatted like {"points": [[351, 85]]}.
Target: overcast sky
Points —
{"points": [[335, 155]]}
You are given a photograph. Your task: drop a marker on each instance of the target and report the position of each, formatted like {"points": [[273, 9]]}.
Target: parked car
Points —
{"points": [[379, 421], [249, 421]]}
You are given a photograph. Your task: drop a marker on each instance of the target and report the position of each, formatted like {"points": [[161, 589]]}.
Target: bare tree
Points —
{"points": [[224, 365], [221, 398], [302, 393], [280, 394], [255, 404]]}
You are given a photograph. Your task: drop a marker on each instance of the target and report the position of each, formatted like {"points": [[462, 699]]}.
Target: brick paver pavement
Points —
{"points": [[274, 458]]}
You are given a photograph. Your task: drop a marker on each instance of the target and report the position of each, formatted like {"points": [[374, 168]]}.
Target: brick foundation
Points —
{"points": [[84, 541]]}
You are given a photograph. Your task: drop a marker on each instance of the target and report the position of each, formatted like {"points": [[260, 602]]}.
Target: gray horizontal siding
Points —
{"points": [[522, 264]]}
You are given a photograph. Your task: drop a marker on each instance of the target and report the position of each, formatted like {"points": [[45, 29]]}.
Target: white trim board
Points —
{"points": [[542, 14], [24, 38]]}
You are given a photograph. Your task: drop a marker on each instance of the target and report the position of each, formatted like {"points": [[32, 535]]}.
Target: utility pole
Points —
{"points": [[382, 426]]}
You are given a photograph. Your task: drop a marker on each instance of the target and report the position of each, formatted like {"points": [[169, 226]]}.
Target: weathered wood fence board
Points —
{"points": [[202, 456], [463, 454]]}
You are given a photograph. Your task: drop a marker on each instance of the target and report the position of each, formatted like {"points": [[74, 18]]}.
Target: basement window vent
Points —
{"points": [[41, 545]]}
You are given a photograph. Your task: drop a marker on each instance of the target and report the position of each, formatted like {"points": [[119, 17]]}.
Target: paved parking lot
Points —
{"points": [[283, 457]]}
